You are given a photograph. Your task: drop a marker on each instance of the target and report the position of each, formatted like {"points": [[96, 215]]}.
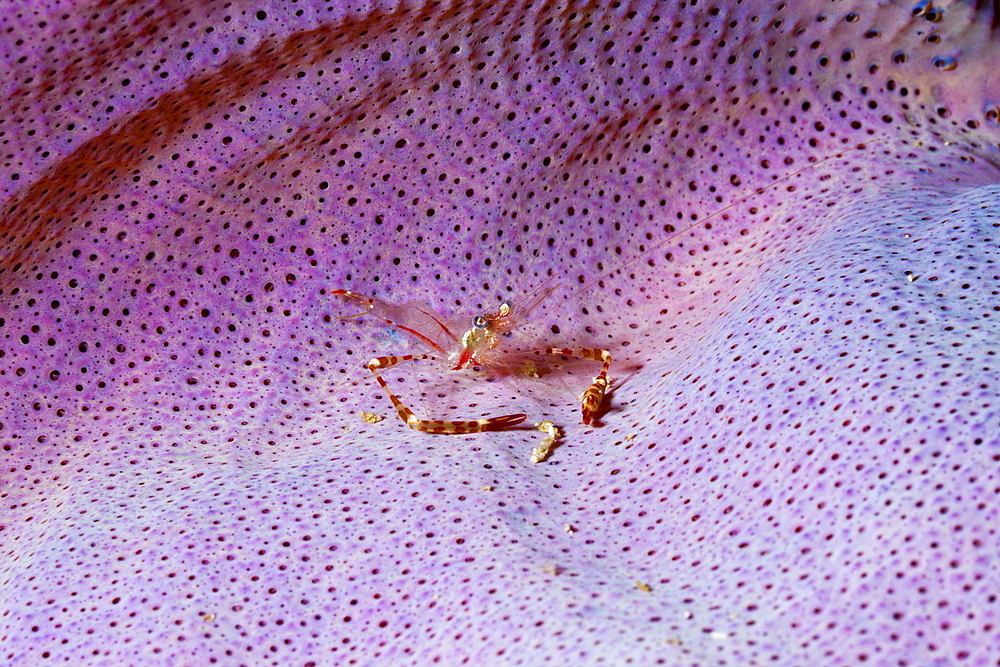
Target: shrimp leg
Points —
{"points": [[433, 425], [594, 395]]}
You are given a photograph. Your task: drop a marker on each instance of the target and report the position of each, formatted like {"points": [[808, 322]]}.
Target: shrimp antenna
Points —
{"points": [[717, 212]]}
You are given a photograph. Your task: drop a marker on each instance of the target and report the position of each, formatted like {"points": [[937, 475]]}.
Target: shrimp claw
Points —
{"points": [[434, 425], [594, 396]]}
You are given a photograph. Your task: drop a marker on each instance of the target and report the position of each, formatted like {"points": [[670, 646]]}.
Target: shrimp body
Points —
{"points": [[476, 346], [481, 344]]}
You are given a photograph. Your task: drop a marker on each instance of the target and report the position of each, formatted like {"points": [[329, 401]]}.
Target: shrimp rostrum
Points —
{"points": [[481, 344]]}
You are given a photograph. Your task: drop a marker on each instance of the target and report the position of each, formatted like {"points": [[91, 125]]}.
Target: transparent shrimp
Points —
{"points": [[478, 345], [460, 345]]}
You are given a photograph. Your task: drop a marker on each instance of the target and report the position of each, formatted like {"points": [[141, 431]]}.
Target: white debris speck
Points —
{"points": [[718, 636], [544, 448], [568, 528], [371, 417]]}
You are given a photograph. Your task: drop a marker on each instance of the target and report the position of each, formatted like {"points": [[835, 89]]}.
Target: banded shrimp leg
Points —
{"points": [[430, 330], [593, 397], [435, 425]]}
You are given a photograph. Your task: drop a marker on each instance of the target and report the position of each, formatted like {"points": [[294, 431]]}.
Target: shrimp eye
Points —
{"points": [[480, 321], [505, 308]]}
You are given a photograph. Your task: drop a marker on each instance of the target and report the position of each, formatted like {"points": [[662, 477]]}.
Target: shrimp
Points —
{"points": [[481, 343], [478, 345]]}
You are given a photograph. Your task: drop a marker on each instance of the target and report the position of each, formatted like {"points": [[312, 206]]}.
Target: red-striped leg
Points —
{"points": [[434, 425], [594, 395]]}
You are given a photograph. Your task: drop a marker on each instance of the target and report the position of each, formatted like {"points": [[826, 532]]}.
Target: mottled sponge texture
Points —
{"points": [[782, 219]]}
